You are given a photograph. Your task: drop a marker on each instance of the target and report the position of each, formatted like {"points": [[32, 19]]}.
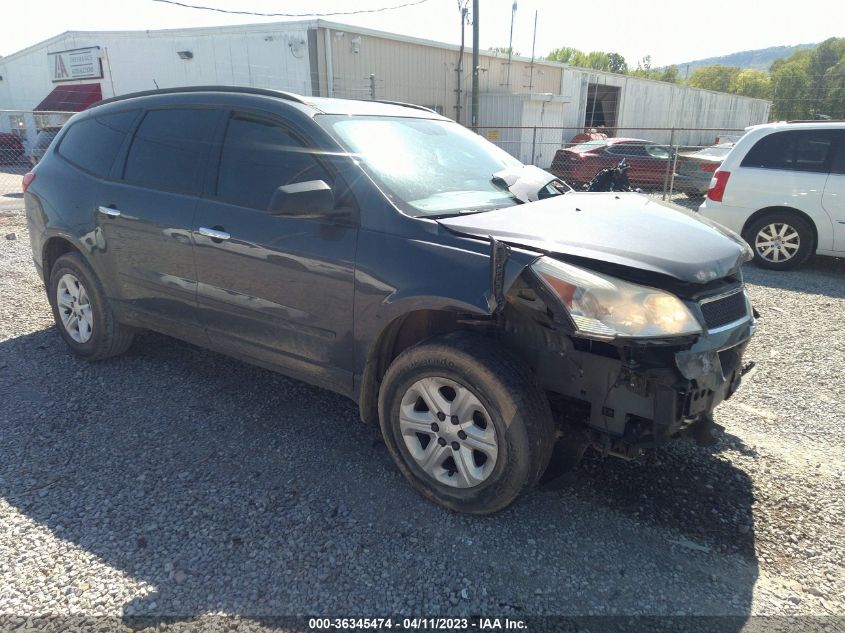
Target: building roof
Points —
{"points": [[336, 26]]}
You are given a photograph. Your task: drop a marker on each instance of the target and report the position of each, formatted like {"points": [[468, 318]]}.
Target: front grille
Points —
{"points": [[725, 309]]}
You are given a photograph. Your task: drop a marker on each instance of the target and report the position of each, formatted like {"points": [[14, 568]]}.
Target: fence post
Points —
{"points": [[372, 87], [534, 145], [668, 164], [674, 168]]}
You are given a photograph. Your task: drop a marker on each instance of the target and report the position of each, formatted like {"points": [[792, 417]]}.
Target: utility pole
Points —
{"points": [[474, 120], [510, 46], [460, 69], [533, 43]]}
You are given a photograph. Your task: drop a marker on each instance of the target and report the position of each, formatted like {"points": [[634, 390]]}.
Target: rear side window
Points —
{"points": [[258, 157], [93, 143], [793, 150], [169, 149]]}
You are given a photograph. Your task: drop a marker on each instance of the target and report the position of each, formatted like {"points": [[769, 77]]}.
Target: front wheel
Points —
{"points": [[780, 240], [465, 422]]}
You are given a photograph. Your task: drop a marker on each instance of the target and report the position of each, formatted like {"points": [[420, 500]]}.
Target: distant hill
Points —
{"points": [[759, 59]]}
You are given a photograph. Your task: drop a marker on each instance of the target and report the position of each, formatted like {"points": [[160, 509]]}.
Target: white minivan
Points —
{"points": [[782, 187]]}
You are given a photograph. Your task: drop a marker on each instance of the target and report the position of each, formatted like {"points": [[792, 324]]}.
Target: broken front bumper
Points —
{"points": [[657, 394]]}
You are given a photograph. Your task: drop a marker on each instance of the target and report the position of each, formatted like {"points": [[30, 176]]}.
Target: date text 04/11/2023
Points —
{"points": [[449, 624]]}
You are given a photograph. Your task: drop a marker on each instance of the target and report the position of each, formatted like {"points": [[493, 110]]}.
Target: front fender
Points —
{"points": [[396, 275]]}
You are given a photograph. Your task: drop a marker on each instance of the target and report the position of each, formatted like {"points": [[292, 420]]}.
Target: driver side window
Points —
{"points": [[259, 156]]}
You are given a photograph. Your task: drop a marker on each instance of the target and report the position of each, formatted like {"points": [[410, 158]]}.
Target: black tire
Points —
{"points": [[696, 196], [108, 337], [796, 224], [517, 406]]}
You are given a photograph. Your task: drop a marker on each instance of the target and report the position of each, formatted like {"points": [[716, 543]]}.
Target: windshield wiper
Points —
{"points": [[453, 214]]}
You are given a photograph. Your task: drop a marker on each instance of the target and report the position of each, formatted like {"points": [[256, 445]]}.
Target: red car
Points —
{"points": [[11, 149], [646, 160]]}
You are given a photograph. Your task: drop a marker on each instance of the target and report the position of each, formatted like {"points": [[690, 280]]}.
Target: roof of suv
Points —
{"points": [[318, 105], [798, 125]]}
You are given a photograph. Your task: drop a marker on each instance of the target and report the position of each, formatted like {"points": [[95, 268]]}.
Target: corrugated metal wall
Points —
{"points": [[275, 56], [425, 73]]}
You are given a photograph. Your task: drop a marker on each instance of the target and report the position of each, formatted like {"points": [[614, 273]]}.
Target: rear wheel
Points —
{"points": [[465, 422], [82, 312], [780, 240]]}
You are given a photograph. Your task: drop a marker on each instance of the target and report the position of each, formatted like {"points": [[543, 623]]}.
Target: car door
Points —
{"points": [[790, 169], [833, 199], [643, 170], [146, 213], [275, 288]]}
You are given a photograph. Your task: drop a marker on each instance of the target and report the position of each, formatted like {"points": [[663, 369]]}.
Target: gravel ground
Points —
{"points": [[175, 481]]}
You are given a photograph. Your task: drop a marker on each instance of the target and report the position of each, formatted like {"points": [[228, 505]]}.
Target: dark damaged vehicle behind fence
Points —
{"points": [[477, 309]]}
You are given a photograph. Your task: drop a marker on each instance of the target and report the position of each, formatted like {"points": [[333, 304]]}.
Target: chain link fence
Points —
{"points": [[669, 163], [24, 135]]}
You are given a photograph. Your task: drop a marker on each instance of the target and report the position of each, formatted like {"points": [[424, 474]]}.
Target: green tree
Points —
{"points": [[564, 55], [791, 87], [834, 101], [810, 83], [597, 60], [505, 50], [716, 77], [617, 64], [752, 83]]}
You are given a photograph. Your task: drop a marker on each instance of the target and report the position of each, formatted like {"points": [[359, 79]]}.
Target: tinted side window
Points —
{"points": [[258, 157], [169, 148], [794, 150], [93, 143]]}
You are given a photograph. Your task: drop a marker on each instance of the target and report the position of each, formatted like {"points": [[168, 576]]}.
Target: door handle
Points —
{"points": [[214, 234], [109, 211]]}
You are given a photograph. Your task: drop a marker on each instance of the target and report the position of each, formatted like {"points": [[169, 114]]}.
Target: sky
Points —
{"points": [[670, 31]]}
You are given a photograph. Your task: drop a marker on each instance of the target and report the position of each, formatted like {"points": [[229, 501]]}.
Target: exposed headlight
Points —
{"points": [[605, 307]]}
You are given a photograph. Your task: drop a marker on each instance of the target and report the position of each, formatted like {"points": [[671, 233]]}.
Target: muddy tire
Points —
{"points": [[466, 422], [83, 315]]}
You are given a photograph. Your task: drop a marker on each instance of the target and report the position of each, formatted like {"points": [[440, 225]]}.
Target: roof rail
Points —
{"points": [[289, 96], [401, 103], [816, 121]]}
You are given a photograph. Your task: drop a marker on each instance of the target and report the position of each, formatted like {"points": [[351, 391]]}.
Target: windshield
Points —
{"points": [[427, 167]]}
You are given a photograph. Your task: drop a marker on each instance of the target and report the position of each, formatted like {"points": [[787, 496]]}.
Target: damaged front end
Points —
{"points": [[652, 373]]}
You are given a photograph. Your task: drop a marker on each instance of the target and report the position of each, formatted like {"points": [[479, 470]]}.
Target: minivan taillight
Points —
{"points": [[28, 177], [717, 185]]}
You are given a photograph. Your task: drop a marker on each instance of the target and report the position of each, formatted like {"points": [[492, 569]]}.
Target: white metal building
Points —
{"points": [[72, 70]]}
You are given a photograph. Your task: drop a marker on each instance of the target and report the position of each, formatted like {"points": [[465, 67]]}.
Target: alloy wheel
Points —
{"points": [[777, 242], [74, 308], [448, 432]]}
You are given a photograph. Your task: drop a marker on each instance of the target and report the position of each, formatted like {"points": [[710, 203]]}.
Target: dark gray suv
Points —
{"points": [[488, 318]]}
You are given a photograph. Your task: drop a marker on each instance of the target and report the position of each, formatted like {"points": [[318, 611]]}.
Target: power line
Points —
{"points": [[290, 15]]}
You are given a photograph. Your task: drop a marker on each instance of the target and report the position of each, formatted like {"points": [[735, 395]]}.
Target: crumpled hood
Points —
{"points": [[627, 229]]}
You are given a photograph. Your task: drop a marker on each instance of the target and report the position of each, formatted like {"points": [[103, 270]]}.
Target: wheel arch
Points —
{"points": [[783, 209], [53, 248], [400, 334]]}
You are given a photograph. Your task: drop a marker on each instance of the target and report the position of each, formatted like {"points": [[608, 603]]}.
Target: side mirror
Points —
{"points": [[312, 198]]}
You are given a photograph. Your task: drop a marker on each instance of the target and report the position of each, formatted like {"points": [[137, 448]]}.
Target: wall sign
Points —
{"points": [[79, 63]]}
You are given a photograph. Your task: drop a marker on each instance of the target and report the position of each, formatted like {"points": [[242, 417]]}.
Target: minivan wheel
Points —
{"points": [[465, 422], [82, 313], [780, 240]]}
